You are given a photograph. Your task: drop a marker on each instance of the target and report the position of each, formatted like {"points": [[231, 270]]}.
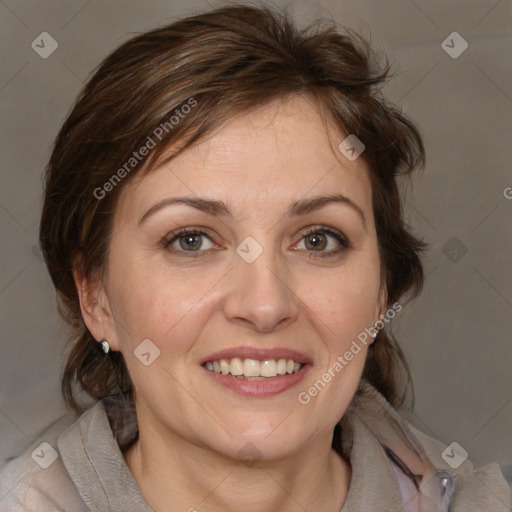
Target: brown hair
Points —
{"points": [[223, 62]]}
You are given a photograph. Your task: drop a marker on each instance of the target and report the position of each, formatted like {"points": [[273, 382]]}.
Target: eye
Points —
{"points": [[190, 242], [187, 240], [316, 240]]}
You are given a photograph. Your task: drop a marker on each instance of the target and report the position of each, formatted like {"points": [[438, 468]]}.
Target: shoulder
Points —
{"points": [[476, 488], [37, 480]]}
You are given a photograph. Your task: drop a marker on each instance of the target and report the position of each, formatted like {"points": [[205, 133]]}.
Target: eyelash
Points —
{"points": [[340, 237]]}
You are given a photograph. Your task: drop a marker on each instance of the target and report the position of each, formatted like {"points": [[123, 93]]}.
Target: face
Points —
{"points": [[253, 280]]}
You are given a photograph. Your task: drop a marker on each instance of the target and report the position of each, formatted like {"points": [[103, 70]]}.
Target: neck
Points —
{"points": [[181, 476]]}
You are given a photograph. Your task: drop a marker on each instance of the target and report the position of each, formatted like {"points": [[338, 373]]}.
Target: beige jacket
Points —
{"points": [[395, 467]]}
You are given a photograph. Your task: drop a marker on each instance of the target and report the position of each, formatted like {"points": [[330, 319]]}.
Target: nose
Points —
{"points": [[260, 294]]}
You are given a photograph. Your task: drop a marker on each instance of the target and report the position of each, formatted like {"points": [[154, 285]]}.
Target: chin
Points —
{"points": [[260, 446]]}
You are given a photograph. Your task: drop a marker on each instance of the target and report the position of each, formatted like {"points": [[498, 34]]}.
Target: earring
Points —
{"points": [[376, 328], [105, 346]]}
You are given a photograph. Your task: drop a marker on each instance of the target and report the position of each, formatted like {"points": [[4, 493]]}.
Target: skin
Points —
{"points": [[192, 429]]}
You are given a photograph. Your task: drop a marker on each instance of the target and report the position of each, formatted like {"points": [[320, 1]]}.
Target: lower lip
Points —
{"points": [[260, 388]]}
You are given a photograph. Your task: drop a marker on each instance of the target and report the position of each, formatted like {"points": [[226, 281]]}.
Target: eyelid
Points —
{"points": [[339, 236], [171, 237], [187, 231], [328, 230]]}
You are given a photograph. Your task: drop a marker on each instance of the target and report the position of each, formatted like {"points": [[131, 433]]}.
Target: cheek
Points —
{"points": [[160, 307], [344, 303]]}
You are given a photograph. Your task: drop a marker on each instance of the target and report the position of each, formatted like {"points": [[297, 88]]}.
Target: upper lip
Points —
{"points": [[258, 353]]}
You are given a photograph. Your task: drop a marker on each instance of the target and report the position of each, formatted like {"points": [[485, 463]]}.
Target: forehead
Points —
{"points": [[280, 152]]}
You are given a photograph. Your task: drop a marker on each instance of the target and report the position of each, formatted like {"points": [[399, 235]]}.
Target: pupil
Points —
{"points": [[317, 241], [191, 239]]}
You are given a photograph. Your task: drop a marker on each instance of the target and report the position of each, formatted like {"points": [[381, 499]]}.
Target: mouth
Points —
{"points": [[256, 372]]}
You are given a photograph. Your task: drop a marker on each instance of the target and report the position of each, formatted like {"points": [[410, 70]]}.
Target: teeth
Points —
{"points": [[236, 367], [253, 369], [224, 367], [269, 368]]}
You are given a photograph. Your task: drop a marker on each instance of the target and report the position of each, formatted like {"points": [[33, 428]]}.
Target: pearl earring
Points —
{"points": [[105, 346], [377, 328]]}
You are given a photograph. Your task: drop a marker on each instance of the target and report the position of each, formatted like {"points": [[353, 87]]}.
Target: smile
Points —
{"points": [[252, 369]]}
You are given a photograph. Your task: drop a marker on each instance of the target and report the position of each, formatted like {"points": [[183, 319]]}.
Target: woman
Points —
{"points": [[222, 224]]}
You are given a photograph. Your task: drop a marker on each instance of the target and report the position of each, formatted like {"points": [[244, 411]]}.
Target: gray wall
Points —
{"points": [[456, 335]]}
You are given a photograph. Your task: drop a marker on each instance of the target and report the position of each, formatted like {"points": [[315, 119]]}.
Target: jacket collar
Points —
{"points": [[374, 427], [97, 467]]}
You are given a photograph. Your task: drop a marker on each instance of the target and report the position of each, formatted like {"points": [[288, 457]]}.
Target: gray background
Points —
{"points": [[456, 336]]}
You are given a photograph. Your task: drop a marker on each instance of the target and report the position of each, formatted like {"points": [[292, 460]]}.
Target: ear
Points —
{"points": [[382, 303], [95, 307], [380, 308]]}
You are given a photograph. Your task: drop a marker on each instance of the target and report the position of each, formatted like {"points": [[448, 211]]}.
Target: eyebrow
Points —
{"points": [[219, 208]]}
